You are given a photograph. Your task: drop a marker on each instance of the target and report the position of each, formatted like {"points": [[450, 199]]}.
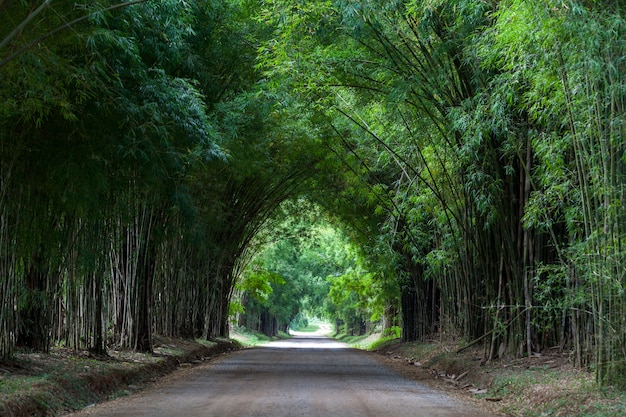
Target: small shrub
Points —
{"points": [[393, 332]]}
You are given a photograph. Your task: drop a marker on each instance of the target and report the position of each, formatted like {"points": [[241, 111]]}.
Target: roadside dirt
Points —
{"points": [[49, 385], [303, 376], [511, 387], [455, 380], [547, 384]]}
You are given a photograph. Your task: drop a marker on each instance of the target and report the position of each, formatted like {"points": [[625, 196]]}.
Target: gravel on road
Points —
{"points": [[302, 376]]}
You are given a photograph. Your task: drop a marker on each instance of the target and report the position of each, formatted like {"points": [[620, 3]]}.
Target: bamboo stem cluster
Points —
{"points": [[503, 184]]}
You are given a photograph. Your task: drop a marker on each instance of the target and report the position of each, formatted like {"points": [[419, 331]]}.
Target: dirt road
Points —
{"points": [[303, 376]]}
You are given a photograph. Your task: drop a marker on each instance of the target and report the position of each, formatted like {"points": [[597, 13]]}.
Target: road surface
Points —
{"points": [[303, 376]]}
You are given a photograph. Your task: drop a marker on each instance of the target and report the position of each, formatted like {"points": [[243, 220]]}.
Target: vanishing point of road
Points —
{"points": [[302, 376]]}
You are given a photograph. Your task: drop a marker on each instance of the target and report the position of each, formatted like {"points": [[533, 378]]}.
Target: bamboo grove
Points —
{"points": [[488, 139], [473, 150], [135, 169]]}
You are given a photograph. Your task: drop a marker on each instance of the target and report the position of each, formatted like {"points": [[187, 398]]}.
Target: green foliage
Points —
{"points": [[470, 132], [113, 123], [393, 332], [305, 249], [249, 337], [301, 322], [258, 284], [460, 165]]}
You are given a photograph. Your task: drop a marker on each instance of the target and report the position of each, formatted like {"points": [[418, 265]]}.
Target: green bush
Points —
{"points": [[393, 332]]}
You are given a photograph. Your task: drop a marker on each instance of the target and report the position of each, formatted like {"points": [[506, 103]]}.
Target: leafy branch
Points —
{"points": [[53, 32]]}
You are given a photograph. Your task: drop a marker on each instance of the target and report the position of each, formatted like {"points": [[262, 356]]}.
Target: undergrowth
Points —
{"points": [[546, 385], [249, 337]]}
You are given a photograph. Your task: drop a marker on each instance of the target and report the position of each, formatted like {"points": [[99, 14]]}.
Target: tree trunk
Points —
{"points": [[144, 281], [34, 315], [99, 342], [409, 303]]}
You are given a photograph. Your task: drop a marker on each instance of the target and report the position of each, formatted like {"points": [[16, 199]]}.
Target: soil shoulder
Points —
{"points": [[34, 384], [543, 385]]}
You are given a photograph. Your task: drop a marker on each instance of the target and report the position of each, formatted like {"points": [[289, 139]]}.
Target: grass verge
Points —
{"points": [[543, 385], [247, 337], [35, 384], [365, 342], [309, 328]]}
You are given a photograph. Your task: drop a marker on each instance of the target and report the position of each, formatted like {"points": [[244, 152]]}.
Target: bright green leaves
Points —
{"points": [[258, 284], [303, 250], [352, 295], [299, 56], [560, 64]]}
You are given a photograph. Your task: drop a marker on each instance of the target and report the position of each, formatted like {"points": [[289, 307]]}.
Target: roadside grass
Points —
{"points": [[388, 337], [33, 384], [251, 338], [546, 385], [352, 340], [372, 341], [365, 342], [545, 391], [313, 325], [540, 386], [11, 387], [37, 379], [382, 342], [309, 328]]}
